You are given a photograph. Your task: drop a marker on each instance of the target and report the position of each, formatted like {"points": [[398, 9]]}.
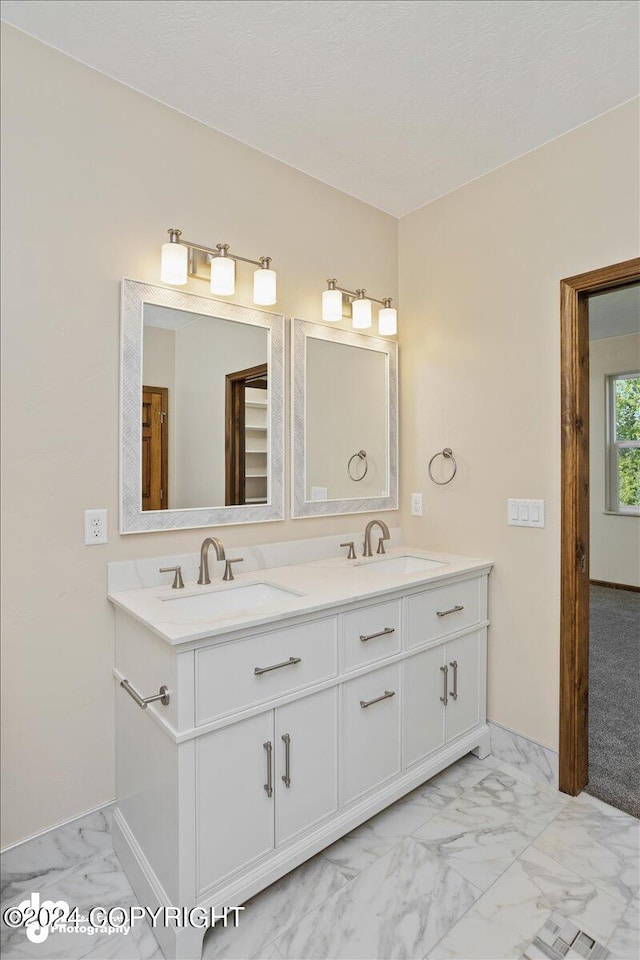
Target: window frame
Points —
{"points": [[613, 447]]}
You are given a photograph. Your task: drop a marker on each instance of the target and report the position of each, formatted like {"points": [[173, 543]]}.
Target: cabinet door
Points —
{"points": [[235, 813], [371, 731], [423, 686], [306, 767], [461, 658]]}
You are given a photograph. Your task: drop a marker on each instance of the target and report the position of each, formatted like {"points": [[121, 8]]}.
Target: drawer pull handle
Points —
{"points": [[385, 696], [454, 693], [382, 633], [276, 666], [445, 613], [445, 671], [268, 746], [163, 695], [286, 779]]}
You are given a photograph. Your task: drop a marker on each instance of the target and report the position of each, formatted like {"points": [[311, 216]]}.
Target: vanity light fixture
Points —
{"points": [[182, 259], [332, 309]]}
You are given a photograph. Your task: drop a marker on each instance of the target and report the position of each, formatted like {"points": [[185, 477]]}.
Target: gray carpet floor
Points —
{"points": [[614, 698]]}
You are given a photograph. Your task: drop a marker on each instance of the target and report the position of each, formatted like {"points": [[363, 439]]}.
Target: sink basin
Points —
{"points": [[407, 564], [228, 601]]}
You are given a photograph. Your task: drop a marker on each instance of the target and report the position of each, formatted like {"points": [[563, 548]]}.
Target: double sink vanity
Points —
{"points": [[285, 708], [266, 707]]}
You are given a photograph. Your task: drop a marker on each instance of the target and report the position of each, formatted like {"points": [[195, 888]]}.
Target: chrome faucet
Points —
{"points": [[203, 575], [367, 537]]}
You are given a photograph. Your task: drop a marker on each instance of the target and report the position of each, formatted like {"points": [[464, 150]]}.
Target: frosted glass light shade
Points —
{"points": [[264, 287], [332, 306], [223, 276], [173, 265], [361, 310], [387, 322]]}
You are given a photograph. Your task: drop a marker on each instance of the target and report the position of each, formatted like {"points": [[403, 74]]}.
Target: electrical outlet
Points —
{"points": [[95, 527], [416, 504]]}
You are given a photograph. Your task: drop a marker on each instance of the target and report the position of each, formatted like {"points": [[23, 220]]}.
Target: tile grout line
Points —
{"points": [[63, 875], [369, 865], [493, 882], [359, 873]]}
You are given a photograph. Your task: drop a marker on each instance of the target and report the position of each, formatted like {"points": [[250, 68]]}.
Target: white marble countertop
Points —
{"points": [[316, 585]]}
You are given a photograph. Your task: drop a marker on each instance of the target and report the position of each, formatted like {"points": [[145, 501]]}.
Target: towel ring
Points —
{"points": [[447, 453], [361, 455]]}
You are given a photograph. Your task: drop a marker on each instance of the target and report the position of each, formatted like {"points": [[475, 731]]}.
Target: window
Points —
{"points": [[623, 443]]}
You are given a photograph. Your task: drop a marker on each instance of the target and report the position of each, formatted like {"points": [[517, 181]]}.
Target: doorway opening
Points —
{"points": [[246, 441], [576, 555]]}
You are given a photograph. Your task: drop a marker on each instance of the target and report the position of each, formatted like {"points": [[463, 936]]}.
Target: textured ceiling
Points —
{"points": [[396, 103], [615, 313]]}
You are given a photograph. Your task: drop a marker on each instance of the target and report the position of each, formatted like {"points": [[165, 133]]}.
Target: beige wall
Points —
{"points": [[479, 288], [615, 540], [94, 174]]}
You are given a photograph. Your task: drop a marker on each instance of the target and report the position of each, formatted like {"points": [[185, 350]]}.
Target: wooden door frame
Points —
{"points": [[574, 602], [164, 443], [234, 434]]}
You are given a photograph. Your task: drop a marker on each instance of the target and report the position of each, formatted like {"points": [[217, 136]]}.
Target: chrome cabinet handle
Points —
{"points": [[268, 746], [276, 666], [445, 672], [372, 636], [385, 696], [445, 613], [163, 696], [286, 779], [454, 693]]}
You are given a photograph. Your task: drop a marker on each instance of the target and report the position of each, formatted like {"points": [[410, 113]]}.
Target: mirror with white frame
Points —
{"points": [[202, 411], [345, 421]]}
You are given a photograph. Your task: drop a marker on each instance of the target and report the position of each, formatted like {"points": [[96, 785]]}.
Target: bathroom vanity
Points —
{"points": [[300, 700]]}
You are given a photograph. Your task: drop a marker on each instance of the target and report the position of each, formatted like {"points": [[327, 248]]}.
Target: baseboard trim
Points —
{"points": [[536, 760], [56, 826], [614, 586]]}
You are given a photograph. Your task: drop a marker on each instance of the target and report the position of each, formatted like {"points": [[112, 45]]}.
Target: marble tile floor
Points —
{"points": [[476, 863]]}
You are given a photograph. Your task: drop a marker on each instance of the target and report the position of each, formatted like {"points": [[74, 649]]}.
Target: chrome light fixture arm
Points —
{"points": [[220, 249], [180, 259]]}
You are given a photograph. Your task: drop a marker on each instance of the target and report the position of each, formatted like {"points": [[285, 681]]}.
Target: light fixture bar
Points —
{"points": [[175, 269], [356, 293], [217, 251], [360, 303]]}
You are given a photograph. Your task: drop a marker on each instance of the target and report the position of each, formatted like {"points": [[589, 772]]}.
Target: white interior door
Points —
{"points": [[235, 813], [306, 763]]}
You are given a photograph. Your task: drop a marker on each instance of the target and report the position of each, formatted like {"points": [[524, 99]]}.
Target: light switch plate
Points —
{"points": [[525, 513]]}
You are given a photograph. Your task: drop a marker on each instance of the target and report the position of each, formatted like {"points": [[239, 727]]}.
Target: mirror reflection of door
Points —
{"points": [[155, 488], [246, 436]]}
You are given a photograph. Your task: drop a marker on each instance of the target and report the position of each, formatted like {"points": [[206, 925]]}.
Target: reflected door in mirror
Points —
{"points": [[246, 436], [154, 447], [193, 357]]}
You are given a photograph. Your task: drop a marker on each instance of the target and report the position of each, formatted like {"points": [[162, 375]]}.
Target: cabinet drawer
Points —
{"points": [[436, 613], [370, 634], [371, 733], [226, 678]]}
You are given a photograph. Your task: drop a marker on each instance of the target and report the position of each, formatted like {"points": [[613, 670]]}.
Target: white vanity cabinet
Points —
{"points": [[262, 781], [280, 739]]}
